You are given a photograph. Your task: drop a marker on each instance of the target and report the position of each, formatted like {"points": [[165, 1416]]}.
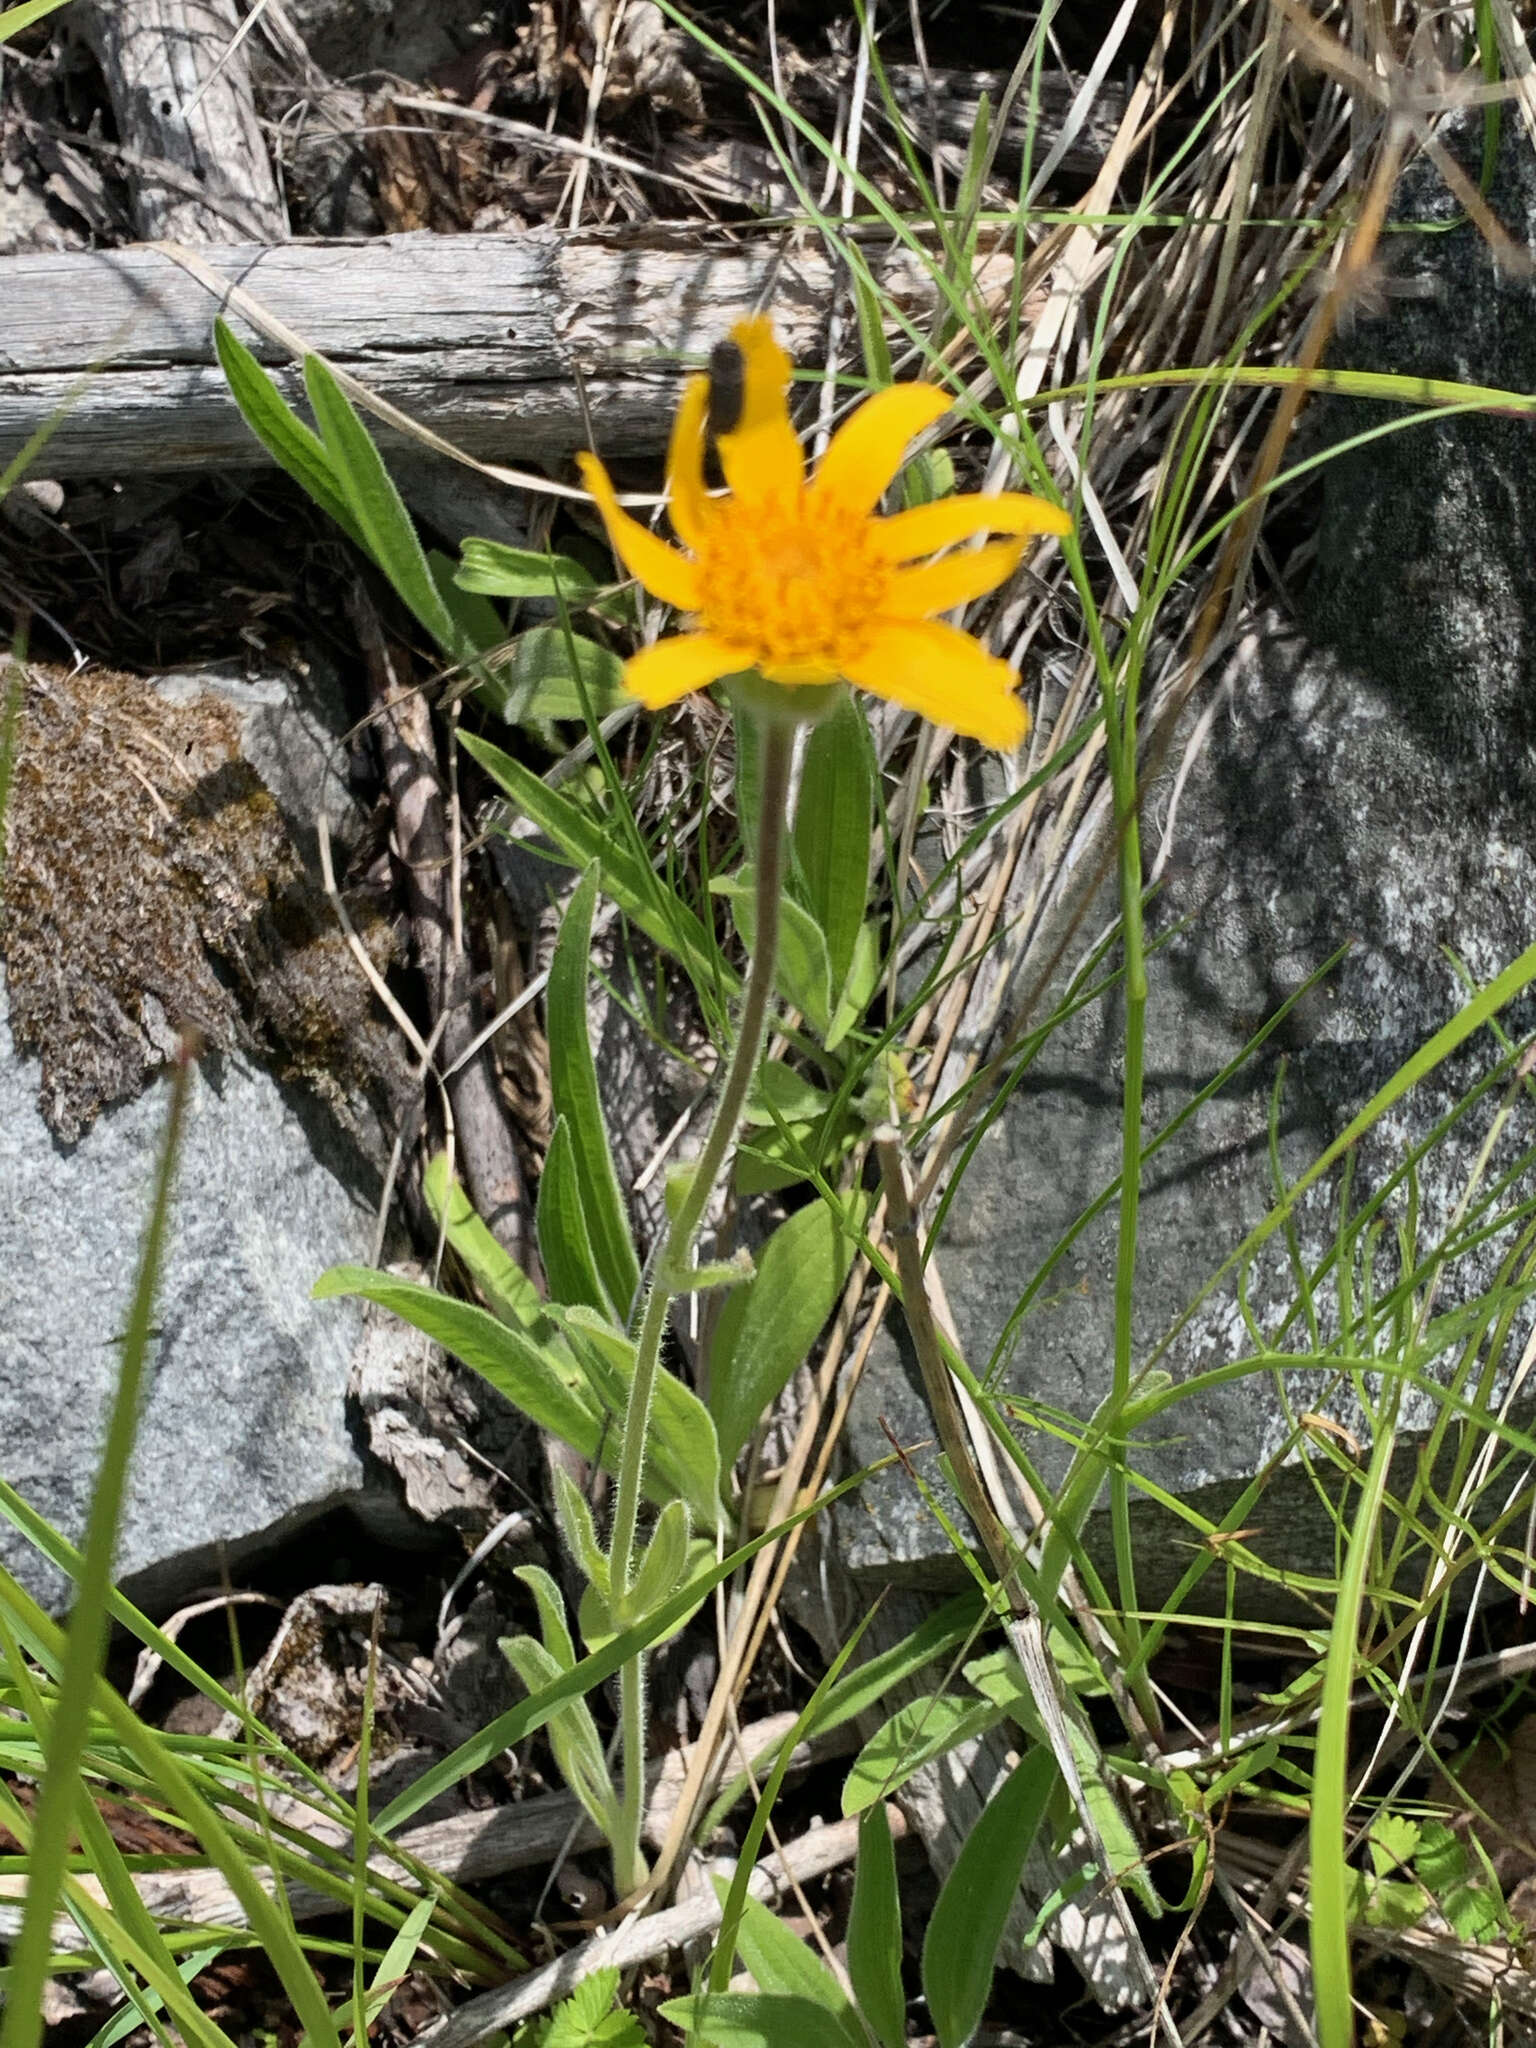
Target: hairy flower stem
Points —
{"points": [[676, 1256]]}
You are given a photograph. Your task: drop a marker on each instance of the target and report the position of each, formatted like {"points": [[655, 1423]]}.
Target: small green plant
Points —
{"points": [[589, 2018], [796, 585]]}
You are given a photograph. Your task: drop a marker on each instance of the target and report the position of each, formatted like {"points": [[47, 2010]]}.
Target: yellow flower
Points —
{"points": [[801, 580]]}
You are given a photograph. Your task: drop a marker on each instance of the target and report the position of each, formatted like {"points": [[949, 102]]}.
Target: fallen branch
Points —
{"points": [[402, 721], [639, 1940], [180, 89], [469, 1848]]}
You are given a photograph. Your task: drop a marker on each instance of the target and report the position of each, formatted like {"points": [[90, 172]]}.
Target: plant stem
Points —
{"points": [[777, 744], [629, 1866]]}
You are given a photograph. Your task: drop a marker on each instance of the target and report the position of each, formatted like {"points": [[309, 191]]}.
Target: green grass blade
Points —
{"points": [[87, 1639], [752, 1841], [1328, 1820], [14, 19]]}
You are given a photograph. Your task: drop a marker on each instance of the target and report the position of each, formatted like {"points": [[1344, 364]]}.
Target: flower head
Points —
{"points": [[801, 580]]}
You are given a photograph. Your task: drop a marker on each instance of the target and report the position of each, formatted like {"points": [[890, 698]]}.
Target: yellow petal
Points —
{"points": [[906, 535], [687, 500], [672, 668], [761, 454], [939, 586], [671, 576], [866, 451], [766, 372], [945, 677]]}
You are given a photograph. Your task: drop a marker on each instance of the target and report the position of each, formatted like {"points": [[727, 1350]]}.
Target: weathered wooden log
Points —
{"points": [[504, 345], [196, 158]]}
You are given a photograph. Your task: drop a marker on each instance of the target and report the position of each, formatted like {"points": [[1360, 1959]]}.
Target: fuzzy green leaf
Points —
{"points": [[508, 1291], [377, 508], [495, 570], [913, 1736], [966, 1927], [578, 1526], [832, 830], [564, 1241], [683, 1457], [801, 973], [767, 1328], [754, 2019], [572, 1733], [662, 1567], [542, 1380], [581, 841], [292, 445], [874, 1931], [544, 674], [477, 619]]}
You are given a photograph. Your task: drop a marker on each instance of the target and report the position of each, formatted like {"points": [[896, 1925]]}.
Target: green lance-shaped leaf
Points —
{"points": [[543, 674], [572, 1731], [832, 828], [495, 570], [581, 840], [508, 1291], [754, 2019], [801, 972], [767, 1328], [874, 1931], [787, 1967], [565, 1243], [661, 1568], [573, 1083], [913, 1736], [683, 1456], [966, 1928], [14, 19], [476, 619], [543, 1380], [858, 986], [578, 1526], [293, 446], [377, 508], [567, 1395]]}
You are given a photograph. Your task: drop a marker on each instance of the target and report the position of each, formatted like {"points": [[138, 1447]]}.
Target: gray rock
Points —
{"points": [[133, 904], [244, 1433], [1368, 780]]}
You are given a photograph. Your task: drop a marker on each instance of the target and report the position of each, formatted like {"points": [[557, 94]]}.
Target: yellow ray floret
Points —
{"points": [[802, 581]]}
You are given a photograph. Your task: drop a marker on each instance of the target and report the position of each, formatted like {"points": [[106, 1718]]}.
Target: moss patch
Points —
{"points": [[151, 883]]}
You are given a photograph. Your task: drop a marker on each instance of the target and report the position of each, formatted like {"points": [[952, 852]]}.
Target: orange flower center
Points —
{"points": [[797, 582]]}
